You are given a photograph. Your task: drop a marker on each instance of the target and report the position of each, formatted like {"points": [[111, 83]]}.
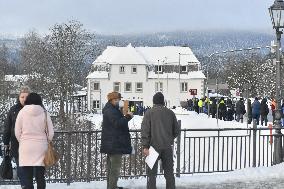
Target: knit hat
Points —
{"points": [[113, 95], [158, 98]]}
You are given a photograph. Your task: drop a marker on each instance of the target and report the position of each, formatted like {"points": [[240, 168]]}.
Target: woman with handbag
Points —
{"points": [[9, 139], [33, 130]]}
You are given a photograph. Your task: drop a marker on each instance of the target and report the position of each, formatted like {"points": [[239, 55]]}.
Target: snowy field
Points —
{"points": [[189, 120], [248, 176]]}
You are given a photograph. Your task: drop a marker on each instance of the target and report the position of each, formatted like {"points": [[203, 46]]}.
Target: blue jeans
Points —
{"points": [[20, 173], [256, 116]]}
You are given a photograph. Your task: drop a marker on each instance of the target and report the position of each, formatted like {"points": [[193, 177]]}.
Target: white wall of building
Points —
{"points": [[142, 57], [171, 87]]}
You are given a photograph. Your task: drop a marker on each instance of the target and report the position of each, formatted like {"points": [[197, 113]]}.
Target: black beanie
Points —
{"points": [[158, 98]]}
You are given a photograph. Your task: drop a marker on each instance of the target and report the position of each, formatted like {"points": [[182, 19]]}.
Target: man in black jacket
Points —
{"points": [[240, 110], [115, 137], [159, 129], [264, 111], [9, 138]]}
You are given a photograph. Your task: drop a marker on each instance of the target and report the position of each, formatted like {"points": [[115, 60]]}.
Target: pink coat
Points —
{"points": [[30, 132]]}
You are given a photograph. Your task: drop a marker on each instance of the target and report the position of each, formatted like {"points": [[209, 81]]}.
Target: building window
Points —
{"points": [[96, 104], [121, 69], [184, 87], [96, 86], [159, 87], [127, 87], [159, 69], [139, 87], [184, 69], [116, 86], [134, 69]]}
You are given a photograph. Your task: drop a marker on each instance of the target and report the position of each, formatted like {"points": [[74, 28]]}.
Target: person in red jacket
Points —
{"points": [[273, 108]]}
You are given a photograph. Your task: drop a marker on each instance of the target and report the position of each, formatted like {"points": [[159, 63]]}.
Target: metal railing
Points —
{"points": [[195, 151]]}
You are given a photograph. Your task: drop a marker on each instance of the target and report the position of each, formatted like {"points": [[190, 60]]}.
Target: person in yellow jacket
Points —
{"points": [[200, 105], [132, 109], [222, 109]]}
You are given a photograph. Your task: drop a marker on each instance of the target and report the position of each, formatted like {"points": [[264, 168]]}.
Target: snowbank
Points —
{"points": [[244, 176]]}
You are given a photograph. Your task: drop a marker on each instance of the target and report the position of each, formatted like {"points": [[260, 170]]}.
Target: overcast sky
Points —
{"points": [[135, 16]]}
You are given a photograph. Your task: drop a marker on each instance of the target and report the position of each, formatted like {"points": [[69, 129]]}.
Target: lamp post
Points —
{"points": [[277, 17]]}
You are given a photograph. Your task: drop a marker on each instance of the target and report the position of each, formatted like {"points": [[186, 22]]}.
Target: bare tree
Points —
{"points": [[57, 62]]}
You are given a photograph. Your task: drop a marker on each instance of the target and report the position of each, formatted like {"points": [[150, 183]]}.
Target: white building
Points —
{"points": [[139, 72]]}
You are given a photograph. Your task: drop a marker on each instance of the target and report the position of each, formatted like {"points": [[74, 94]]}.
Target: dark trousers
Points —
{"points": [[113, 170], [273, 115], [240, 117], [264, 119], [20, 173], [166, 156], [29, 172]]}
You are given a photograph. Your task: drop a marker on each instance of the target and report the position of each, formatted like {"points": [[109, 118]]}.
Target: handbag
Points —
{"points": [[51, 156], [6, 169]]}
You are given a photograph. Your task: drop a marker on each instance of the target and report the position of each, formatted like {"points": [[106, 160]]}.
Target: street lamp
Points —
{"points": [[277, 17]]}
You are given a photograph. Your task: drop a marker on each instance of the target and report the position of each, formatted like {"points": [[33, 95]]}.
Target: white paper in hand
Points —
{"points": [[152, 157]]}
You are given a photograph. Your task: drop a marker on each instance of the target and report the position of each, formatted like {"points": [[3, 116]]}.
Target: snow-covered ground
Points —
{"points": [[192, 120], [251, 177], [204, 151], [189, 120]]}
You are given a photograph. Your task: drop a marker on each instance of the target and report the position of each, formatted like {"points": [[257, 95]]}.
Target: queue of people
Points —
{"points": [[229, 110]]}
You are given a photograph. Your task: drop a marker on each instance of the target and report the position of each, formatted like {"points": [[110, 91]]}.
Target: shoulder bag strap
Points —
{"points": [[46, 126]]}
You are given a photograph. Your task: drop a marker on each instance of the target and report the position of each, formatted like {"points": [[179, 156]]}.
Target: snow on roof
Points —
{"points": [[98, 75], [120, 55], [147, 55], [80, 93], [190, 75], [16, 78], [167, 55]]}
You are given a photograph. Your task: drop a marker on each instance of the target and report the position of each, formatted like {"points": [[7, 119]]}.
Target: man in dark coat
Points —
{"points": [[256, 110], [195, 105], [190, 105], [240, 110], [9, 139], [249, 112], [159, 129], [213, 108], [264, 111], [230, 110], [115, 137]]}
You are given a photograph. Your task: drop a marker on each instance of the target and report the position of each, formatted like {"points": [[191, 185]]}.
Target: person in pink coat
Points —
{"points": [[30, 131]]}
